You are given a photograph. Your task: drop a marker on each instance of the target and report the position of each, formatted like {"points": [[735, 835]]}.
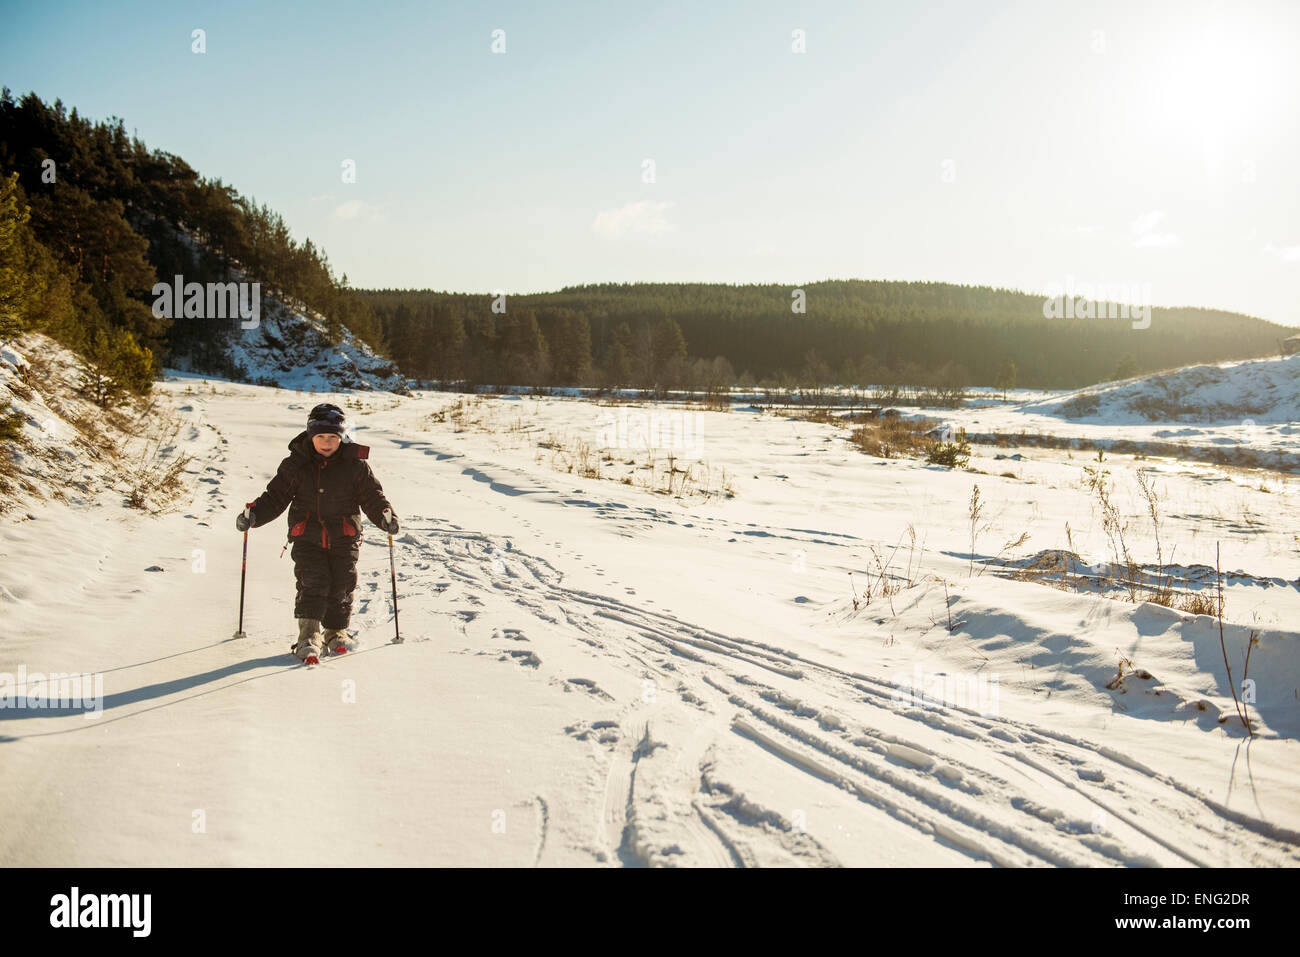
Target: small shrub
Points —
{"points": [[954, 454], [891, 436], [21, 389], [11, 425], [1199, 603], [1115, 682]]}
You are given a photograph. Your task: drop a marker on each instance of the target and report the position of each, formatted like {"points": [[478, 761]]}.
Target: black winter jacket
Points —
{"points": [[325, 496]]}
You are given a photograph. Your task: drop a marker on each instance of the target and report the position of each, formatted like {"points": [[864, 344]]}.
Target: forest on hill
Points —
{"points": [[694, 335]]}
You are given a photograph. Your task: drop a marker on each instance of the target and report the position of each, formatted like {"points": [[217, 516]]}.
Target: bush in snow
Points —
{"points": [[113, 365], [954, 454], [11, 425]]}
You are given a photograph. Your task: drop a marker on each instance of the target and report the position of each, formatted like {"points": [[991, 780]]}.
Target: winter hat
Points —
{"points": [[325, 418]]}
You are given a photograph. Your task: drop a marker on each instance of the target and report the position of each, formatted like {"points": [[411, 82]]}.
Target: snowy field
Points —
{"points": [[803, 656]]}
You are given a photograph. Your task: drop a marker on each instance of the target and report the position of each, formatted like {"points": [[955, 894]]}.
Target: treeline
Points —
{"points": [[694, 335], [91, 219]]}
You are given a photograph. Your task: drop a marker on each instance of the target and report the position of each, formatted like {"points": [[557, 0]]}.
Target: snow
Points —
{"points": [[597, 674]]}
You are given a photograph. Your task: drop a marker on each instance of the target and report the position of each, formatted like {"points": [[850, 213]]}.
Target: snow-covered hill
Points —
{"points": [[1238, 413], [289, 348], [1266, 391], [599, 673], [70, 450]]}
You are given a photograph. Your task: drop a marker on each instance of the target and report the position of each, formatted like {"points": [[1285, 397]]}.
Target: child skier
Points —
{"points": [[326, 483]]}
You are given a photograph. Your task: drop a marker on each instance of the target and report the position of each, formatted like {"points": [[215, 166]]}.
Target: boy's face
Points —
{"points": [[327, 443]]}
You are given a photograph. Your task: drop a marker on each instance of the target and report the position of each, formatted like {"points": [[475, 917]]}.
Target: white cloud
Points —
{"points": [[1288, 254], [1144, 234], [639, 218], [1158, 240], [355, 209], [1146, 222]]}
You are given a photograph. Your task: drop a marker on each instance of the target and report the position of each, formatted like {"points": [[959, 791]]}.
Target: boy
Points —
{"points": [[325, 482]]}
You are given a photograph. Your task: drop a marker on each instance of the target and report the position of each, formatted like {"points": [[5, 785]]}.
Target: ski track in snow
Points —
{"points": [[789, 706]]}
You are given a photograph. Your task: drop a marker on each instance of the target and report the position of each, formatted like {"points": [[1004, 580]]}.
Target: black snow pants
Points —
{"points": [[326, 577]]}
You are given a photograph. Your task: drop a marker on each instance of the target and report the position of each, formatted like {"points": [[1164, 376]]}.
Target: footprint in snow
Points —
{"points": [[587, 685], [691, 698], [522, 656], [604, 732]]}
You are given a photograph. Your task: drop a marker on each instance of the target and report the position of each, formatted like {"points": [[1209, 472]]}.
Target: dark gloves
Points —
{"points": [[390, 522], [245, 519]]}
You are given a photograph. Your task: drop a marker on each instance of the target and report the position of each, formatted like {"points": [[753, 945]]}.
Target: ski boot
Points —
{"points": [[309, 641], [337, 641]]}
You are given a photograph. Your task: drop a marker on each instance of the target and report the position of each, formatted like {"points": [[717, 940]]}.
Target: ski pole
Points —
{"points": [[392, 567], [243, 569]]}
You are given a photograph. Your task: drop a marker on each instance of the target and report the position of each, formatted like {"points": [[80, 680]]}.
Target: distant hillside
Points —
{"points": [[853, 331]]}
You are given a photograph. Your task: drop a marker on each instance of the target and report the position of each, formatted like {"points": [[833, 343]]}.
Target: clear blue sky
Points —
{"points": [[1018, 144]]}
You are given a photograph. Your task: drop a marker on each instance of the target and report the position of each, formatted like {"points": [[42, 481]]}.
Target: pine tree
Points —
{"points": [[618, 361], [15, 280], [11, 424], [668, 353], [446, 341], [112, 365], [1126, 368], [816, 373], [524, 353], [570, 343], [1006, 377]]}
